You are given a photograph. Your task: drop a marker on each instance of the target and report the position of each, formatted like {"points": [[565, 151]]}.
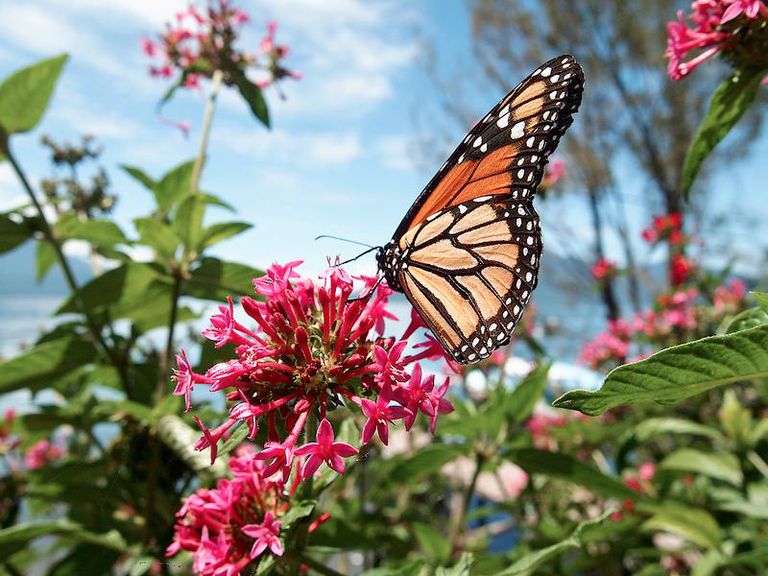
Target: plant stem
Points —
{"points": [[458, 526], [318, 567], [210, 108], [101, 344]]}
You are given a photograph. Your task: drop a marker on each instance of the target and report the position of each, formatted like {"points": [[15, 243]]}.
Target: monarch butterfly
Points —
{"points": [[466, 254]]}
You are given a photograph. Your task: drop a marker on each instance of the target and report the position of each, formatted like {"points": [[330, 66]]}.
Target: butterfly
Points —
{"points": [[467, 252]]}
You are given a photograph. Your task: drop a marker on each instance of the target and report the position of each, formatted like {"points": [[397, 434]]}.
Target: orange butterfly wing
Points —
{"points": [[467, 252]]}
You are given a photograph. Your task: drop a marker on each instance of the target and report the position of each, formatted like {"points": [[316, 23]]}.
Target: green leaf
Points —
{"points": [[528, 564], [221, 231], [523, 399], [556, 465], [412, 568], [18, 537], [253, 96], [188, 221], [216, 279], [461, 568], [24, 95], [158, 235], [729, 102], [695, 525], [747, 319], [719, 465], [85, 559], [678, 372], [427, 460], [654, 427], [435, 545], [216, 201], [735, 419], [174, 185], [12, 234], [96, 231], [45, 257], [761, 298], [140, 176], [37, 366]]}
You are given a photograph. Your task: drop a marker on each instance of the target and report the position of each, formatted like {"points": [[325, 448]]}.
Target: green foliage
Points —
{"points": [[18, 537], [24, 95], [678, 372], [253, 96], [729, 102], [12, 233]]}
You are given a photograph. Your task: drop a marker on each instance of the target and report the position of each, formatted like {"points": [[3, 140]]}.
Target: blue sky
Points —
{"points": [[340, 158]]}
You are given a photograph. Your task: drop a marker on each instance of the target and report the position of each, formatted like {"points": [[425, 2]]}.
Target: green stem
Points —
{"points": [[458, 526], [318, 567], [210, 108], [758, 462], [69, 276], [162, 385]]}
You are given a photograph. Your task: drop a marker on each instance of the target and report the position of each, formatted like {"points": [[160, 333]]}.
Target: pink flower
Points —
{"points": [[679, 269], [42, 453], [603, 269], [185, 378], [379, 414], [228, 526], [513, 478], [312, 350], [553, 173], [750, 8], [324, 450], [266, 535]]}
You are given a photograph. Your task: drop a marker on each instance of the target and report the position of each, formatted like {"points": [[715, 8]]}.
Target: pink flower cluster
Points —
{"points": [[709, 33], [314, 350], [38, 455], [202, 41], [667, 227], [553, 173], [604, 269], [231, 525]]}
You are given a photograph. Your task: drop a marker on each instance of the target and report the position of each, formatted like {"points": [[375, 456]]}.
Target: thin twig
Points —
{"points": [[210, 108]]}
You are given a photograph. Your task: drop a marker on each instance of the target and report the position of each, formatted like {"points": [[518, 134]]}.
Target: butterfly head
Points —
{"points": [[390, 261]]}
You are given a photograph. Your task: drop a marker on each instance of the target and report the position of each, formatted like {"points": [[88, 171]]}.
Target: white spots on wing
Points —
{"points": [[471, 357], [553, 95], [467, 138], [493, 327], [487, 118], [521, 210], [511, 326], [503, 122], [528, 276], [537, 72], [433, 216], [509, 300], [516, 309], [462, 209], [461, 159], [529, 241], [518, 130], [529, 226], [506, 214], [484, 148], [546, 127], [476, 341], [483, 351], [533, 259], [567, 76], [525, 251], [519, 284], [542, 143], [505, 313], [534, 158], [519, 222], [530, 177], [530, 142], [525, 294], [477, 142], [555, 78], [501, 337], [481, 199], [546, 72], [521, 173]]}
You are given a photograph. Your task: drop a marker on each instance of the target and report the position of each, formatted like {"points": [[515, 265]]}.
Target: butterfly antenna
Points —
{"points": [[371, 249], [344, 240], [368, 294]]}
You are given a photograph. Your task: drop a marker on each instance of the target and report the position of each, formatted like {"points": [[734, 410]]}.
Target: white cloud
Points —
{"points": [[395, 151], [149, 13], [287, 146]]}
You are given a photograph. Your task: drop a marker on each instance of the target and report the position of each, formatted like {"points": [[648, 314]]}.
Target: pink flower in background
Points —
{"points": [[513, 478], [228, 526], [324, 450], [313, 350], [553, 173], [604, 269], [42, 453]]}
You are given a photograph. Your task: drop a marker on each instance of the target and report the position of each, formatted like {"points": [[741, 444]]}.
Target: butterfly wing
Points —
{"points": [[471, 242]]}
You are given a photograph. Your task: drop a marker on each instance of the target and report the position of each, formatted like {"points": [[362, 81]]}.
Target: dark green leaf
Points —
{"points": [[96, 231], [529, 563], [219, 232], [24, 95], [412, 568], [85, 559], [139, 175], [45, 257], [13, 233], [556, 465], [761, 298], [719, 465], [174, 185], [188, 221], [253, 96], [695, 525], [216, 201], [297, 511], [526, 394], [678, 372], [747, 319], [428, 460], [435, 546], [654, 427], [158, 235], [35, 368], [729, 102], [461, 568], [18, 537], [216, 279]]}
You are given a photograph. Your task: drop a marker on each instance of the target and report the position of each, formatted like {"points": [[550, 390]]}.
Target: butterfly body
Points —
{"points": [[467, 253]]}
